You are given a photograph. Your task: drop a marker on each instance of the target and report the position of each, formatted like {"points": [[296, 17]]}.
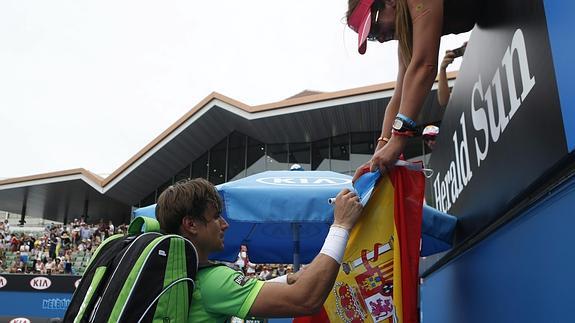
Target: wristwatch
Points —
{"points": [[401, 125]]}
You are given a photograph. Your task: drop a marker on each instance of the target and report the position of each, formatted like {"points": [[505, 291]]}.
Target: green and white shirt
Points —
{"points": [[220, 293]]}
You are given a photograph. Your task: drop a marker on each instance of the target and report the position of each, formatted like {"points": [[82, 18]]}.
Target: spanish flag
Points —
{"points": [[378, 278]]}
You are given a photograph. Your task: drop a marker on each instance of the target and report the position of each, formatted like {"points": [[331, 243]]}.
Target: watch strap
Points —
{"points": [[406, 120]]}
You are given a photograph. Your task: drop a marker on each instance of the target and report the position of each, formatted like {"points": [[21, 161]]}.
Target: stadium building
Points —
{"points": [[222, 139]]}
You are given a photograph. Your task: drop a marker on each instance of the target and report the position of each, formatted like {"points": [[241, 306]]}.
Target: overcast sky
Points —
{"points": [[89, 83]]}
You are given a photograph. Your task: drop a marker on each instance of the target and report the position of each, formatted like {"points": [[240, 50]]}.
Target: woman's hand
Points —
{"points": [[447, 59], [384, 159], [361, 170]]}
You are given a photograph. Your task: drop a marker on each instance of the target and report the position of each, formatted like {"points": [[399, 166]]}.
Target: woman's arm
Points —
{"points": [[443, 92], [390, 113], [394, 104], [427, 22]]}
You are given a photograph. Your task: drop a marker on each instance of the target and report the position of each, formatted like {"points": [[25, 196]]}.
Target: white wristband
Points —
{"points": [[335, 242], [279, 279]]}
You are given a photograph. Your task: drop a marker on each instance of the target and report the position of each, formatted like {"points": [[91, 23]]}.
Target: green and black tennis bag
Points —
{"points": [[138, 277]]}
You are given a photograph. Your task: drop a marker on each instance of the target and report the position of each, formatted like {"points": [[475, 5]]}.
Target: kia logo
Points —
{"points": [[40, 283], [77, 282], [304, 181], [20, 320], [3, 281]]}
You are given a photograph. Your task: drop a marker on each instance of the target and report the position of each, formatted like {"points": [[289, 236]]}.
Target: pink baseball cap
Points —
{"points": [[430, 130], [360, 22]]}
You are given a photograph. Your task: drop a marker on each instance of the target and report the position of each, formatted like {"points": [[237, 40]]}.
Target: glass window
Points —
{"points": [[183, 174], [320, 155], [340, 154], [200, 166], [256, 161], [277, 157], [236, 156], [217, 168], [300, 153], [362, 148]]}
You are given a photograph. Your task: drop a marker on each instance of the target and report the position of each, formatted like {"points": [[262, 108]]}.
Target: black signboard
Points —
{"points": [[38, 283], [503, 127]]}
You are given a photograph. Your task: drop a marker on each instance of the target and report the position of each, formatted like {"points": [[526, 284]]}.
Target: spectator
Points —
{"points": [[76, 236], [14, 243], [82, 246], [24, 253], [85, 232], [58, 266], [418, 26], [66, 241], [2, 245], [50, 266], [67, 264], [52, 245], [39, 267], [251, 269], [111, 226], [16, 267], [282, 270], [37, 244], [443, 92], [88, 245], [266, 274], [429, 136], [243, 260]]}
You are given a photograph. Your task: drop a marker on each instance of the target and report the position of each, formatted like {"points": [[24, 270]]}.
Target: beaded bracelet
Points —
{"points": [[403, 133]]}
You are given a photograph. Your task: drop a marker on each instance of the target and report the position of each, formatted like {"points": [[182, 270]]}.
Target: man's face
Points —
{"points": [[211, 232]]}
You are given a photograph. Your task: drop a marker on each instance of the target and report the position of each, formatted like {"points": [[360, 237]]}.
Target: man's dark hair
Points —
{"points": [[187, 198]]}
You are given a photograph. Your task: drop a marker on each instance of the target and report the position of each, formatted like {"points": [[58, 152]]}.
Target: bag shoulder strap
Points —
{"points": [[149, 225]]}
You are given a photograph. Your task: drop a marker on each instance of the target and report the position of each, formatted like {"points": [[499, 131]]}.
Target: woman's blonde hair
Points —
{"points": [[403, 27], [404, 30]]}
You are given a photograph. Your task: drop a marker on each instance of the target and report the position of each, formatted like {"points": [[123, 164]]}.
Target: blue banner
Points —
{"points": [[34, 304], [560, 24]]}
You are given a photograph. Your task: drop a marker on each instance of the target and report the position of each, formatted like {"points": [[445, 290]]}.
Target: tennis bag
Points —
{"points": [[138, 277]]}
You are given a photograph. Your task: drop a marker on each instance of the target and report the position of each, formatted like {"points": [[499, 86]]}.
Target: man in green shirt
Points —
{"points": [[193, 210]]}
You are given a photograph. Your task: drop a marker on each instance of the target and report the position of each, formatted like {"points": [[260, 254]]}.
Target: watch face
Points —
{"points": [[397, 124]]}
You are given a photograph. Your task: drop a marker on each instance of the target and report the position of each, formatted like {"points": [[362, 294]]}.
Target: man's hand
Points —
{"points": [[347, 209]]}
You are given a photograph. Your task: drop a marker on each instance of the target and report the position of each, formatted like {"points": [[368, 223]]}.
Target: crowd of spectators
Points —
{"points": [[58, 248], [53, 251], [258, 271], [265, 271]]}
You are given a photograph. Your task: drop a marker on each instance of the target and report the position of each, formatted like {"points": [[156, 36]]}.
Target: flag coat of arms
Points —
{"points": [[378, 278]]}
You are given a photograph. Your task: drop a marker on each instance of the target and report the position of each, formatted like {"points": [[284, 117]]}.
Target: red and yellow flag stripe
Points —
{"points": [[379, 275]]}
